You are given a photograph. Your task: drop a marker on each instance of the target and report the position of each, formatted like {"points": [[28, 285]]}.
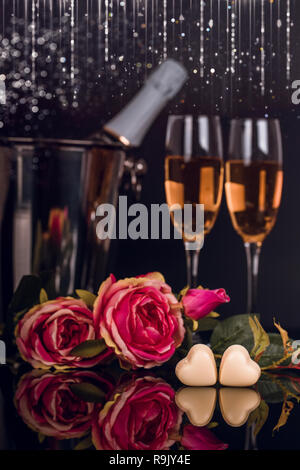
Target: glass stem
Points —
{"points": [[192, 264], [253, 254]]}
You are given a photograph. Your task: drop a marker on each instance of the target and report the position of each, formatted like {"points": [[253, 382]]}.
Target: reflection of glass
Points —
{"points": [[254, 179], [194, 175]]}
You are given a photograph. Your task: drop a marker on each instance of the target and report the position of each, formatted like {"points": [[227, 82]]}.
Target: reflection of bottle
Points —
{"points": [[132, 123]]}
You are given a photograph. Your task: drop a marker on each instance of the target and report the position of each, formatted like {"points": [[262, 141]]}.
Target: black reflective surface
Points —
{"points": [[111, 409]]}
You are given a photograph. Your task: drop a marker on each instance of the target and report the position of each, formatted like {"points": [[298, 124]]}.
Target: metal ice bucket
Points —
{"points": [[50, 190]]}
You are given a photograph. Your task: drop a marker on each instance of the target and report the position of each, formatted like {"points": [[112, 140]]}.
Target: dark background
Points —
{"points": [[103, 89]]}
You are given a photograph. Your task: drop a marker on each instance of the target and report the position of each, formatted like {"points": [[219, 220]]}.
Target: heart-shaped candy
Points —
{"points": [[198, 368], [237, 368], [237, 404], [198, 403]]}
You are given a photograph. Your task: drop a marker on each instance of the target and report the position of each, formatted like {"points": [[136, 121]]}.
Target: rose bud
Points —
{"points": [[195, 438], [198, 303]]}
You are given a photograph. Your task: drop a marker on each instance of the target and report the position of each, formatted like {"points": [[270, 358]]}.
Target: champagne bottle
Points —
{"points": [[130, 126]]}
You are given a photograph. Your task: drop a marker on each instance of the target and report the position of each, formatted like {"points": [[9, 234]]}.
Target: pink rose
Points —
{"points": [[198, 303], [47, 334], [195, 438], [142, 415], [140, 318], [47, 404]]}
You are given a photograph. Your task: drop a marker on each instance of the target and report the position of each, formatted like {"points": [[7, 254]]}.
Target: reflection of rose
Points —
{"points": [[47, 334], [195, 438], [56, 223], [47, 404], [141, 416], [140, 318]]}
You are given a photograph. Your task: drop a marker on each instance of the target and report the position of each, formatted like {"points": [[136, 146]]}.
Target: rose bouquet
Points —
{"points": [[138, 320]]}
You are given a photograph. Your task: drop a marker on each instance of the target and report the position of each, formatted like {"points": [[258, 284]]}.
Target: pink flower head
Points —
{"points": [[195, 438], [47, 334], [198, 303], [140, 319], [141, 415]]}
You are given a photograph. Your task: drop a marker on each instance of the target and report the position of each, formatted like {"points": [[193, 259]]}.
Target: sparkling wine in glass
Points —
{"points": [[254, 179], [194, 175]]}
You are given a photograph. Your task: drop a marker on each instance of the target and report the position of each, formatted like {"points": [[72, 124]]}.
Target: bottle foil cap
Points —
{"points": [[169, 78], [133, 122]]}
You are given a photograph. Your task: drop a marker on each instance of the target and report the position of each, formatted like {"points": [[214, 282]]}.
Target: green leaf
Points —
{"points": [[188, 323], [261, 338], [212, 425], [286, 342], [275, 388], [43, 296], [183, 292], [19, 315], [232, 330], [270, 389], [213, 315], [237, 330], [207, 324], [26, 295], [41, 437], [259, 417], [84, 444], [87, 297], [88, 392], [274, 352], [287, 408], [89, 349]]}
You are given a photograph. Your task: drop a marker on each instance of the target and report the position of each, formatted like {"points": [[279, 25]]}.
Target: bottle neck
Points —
{"points": [[131, 125]]}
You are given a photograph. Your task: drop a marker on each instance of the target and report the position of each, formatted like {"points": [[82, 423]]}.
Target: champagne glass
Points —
{"points": [[194, 174], [253, 187]]}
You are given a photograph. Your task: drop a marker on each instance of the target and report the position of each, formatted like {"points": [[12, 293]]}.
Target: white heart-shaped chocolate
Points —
{"points": [[198, 403], [198, 368], [237, 368], [237, 403]]}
